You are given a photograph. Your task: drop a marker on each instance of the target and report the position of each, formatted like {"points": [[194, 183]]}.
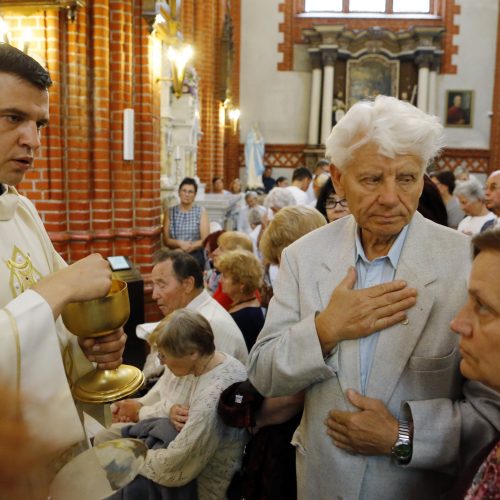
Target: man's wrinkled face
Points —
{"points": [[382, 193], [24, 111], [492, 193], [169, 293]]}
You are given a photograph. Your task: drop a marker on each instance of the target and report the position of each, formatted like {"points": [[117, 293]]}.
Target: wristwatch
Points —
{"points": [[402, 449]]}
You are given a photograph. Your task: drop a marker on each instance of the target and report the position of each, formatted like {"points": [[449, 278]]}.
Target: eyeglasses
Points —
{"points": [[333, 203]]}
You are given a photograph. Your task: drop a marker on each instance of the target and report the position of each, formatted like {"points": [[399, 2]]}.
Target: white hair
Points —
{"points": [[279, 198], [471, 189], [396, 127]]}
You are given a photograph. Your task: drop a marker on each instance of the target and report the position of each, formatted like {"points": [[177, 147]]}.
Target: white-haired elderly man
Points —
{"points": [[360, 321]]}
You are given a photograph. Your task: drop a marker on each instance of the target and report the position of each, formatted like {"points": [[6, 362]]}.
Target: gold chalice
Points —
{"points": [[96, 318]]}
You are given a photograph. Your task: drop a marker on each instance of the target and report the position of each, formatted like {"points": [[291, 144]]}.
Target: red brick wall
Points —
{"points": [[202, 25], [90, 199]]}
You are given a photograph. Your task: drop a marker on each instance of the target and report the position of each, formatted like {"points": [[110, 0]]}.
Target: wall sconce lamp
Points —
{"points": [[179, 54], [179, 57], [234, 116], [24, 41], [4, 31]]}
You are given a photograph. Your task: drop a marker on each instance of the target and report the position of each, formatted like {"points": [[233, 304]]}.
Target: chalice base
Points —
{"points": [[106, 386]]}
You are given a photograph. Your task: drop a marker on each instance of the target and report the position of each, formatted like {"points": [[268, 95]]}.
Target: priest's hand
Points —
{"points": [[372, 430], [106, 351], [86, 279]]}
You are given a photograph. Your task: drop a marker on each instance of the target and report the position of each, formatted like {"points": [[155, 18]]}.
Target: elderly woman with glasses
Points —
{"points": [[189, 444], [186, 225], [331, 205]]}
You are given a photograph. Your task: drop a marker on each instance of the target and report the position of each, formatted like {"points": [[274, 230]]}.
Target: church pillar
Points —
{"points": [[423, 61], [315, 102], [433, 73], [329, 57]]}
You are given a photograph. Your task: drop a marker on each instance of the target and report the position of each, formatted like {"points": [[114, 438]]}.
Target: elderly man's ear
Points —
{"points": [[337, 179]]}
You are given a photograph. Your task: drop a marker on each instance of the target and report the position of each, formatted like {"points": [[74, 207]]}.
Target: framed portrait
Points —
{"points": [[370, 76], [459, 108]]}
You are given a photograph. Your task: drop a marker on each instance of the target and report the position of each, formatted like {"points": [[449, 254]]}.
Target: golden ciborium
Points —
{"points": [[96, 318]]}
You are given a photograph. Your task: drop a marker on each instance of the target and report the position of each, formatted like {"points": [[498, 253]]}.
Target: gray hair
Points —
{"points": [[183, 332], [279, 198], [251, 194], [471, 189], [254, 216], [396, 127]]}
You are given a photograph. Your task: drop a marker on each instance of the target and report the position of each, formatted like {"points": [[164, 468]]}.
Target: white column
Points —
{"points": [[423, 86], [314, 106], [431, 108], [329, 57]]}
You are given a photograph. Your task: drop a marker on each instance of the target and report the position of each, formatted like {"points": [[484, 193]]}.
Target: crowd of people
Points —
{"points": [[308, 353]]}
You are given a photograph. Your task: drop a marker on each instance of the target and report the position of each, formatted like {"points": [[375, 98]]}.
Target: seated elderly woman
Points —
{"points": [[241, 277], [471, 196], [478, 324], [189, 441]]}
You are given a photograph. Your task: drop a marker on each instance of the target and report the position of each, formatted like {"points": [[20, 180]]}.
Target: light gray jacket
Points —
{"points": [[417, 363]]}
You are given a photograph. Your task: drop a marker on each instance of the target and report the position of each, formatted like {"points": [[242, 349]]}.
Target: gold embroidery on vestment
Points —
{"points": [[23, 274]]}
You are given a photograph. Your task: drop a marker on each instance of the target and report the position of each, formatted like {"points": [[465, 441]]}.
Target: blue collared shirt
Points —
{"points": [[370, 273]]}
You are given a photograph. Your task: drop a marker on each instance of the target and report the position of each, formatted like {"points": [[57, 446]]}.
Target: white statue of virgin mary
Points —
{"points": [[254, 157]]}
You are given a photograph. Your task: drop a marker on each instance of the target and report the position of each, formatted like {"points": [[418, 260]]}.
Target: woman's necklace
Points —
{"points": [[243, 301]]}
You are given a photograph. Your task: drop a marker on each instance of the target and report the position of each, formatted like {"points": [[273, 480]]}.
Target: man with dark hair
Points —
{"points": [[445, 182], [267, 179], [282, 182], [301, 178], [38, 356], [178, 282]]}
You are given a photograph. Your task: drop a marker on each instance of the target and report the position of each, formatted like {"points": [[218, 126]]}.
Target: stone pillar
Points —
{"points": [[314, 109], [433, 75], [329, 57], [423, 62]]}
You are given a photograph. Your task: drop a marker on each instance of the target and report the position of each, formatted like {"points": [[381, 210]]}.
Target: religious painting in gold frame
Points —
{"points": [[459, 108], [369, 76]]}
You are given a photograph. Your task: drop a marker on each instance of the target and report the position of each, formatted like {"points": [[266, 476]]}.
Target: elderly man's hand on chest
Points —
{"points": [[352, 314]]}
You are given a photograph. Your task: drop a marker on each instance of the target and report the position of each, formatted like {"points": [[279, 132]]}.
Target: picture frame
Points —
{"points": [[370, 76], [459, 108]]}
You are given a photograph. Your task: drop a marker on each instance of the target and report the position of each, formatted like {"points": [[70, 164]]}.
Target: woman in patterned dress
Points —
{"points": [[186, 225]]}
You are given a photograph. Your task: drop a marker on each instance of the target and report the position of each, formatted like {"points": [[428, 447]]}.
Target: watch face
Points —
{"points": [[403, 451]]}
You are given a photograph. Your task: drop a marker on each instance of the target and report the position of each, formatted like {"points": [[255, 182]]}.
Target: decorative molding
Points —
{"points": [[296, 155], [475, 160], [280, 155], [294, 24]]}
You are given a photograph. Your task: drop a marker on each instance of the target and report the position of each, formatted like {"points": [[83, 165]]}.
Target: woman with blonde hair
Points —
{"points": [[287, 226], [241, 277], [229, 240]]}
